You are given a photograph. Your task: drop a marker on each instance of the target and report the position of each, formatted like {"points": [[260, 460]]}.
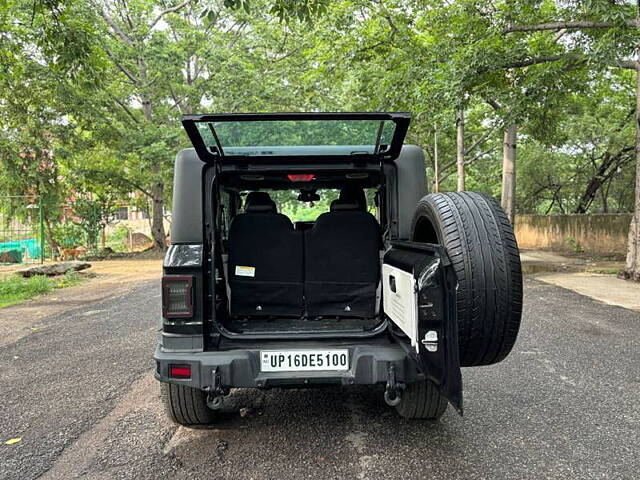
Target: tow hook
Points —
{"points": [[216, 392], [392, 392]]}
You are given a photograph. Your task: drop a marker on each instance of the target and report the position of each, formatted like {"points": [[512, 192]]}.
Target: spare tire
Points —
{"points": [[479, 240]]}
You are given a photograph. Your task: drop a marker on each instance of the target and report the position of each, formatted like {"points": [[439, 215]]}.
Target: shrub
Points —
{"points": [[69, 235], [118, 239]]}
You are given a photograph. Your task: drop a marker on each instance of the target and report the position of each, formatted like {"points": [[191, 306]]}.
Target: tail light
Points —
{"points": [[177, 297]]}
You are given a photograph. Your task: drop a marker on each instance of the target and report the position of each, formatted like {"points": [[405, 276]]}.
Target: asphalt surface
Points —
{"points": [[79, 392]]}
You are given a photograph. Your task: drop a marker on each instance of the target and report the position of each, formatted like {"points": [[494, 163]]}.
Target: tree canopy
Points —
{"points": [[93, 90]]}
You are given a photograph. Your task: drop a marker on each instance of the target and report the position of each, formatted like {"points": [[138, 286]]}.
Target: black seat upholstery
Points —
{"points": [[265, 261], [304, 225], [351, 194], [342, 261]]}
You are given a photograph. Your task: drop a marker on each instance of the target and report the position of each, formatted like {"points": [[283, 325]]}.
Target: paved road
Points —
{"points": [[80, 393]]}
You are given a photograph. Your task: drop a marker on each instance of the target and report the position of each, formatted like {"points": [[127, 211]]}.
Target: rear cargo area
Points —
{"points": [[315, 277]]}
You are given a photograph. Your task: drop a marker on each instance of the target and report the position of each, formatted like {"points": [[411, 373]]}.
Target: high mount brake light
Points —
{"points": [[301, 177], [177, 299]]}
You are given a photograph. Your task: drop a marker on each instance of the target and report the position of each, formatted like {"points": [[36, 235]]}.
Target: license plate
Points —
{"points": [[304, 360]]}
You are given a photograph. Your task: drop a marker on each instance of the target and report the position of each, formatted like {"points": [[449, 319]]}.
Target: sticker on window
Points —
{"points": [[245, 271]]}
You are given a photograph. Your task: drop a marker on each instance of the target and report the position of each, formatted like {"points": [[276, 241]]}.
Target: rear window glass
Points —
{"points": [[254, 137]]}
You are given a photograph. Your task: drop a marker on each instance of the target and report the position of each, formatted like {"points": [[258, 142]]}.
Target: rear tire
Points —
{"points": [[480, 242], [421, 400], [185, 405]]}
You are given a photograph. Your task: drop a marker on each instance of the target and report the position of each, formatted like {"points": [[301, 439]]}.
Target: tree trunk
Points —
{"points": [[436, 172], [605, 172], [594, 186], [157, 190], [632, 268], [157, 216], [508, 200], [48, 232], [460, 148], [157, 220], [131, 38]]}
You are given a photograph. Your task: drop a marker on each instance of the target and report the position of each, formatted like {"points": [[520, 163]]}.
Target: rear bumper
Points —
{"points": [[240, 368]]}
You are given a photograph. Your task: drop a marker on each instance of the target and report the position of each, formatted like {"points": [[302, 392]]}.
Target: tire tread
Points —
{"points": [[185, 405], [421, 400]]}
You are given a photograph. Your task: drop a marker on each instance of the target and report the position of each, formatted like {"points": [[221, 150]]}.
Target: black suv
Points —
{"points": [[389, 286]]}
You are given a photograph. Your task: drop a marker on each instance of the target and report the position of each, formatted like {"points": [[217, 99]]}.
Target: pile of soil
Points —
{"points": [[139, 241]]}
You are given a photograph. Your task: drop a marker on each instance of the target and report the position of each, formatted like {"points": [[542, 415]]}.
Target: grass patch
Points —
{"points": [[16, 289], [605, 271]]}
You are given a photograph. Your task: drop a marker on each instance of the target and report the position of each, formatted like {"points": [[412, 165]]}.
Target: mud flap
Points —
{"points": [[419, 297]]}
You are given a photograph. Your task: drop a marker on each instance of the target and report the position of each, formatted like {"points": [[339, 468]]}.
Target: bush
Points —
{"points": [[575, 245], [118, 239], [69, 235]]}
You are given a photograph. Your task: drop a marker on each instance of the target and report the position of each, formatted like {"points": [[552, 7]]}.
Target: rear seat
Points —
{"points": [[265, 261], [342, 260]]}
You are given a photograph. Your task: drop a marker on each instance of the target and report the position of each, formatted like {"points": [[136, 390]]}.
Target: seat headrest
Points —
{"points": [[259, 202], [354, 195], [341, 205]]}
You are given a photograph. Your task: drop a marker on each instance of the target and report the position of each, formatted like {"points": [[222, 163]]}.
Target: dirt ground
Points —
{"points": [[591, 276], [536, 261], [112, 278]]}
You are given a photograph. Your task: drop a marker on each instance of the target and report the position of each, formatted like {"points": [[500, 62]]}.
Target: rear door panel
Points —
{"points": [[399, 301], [419, 287]]}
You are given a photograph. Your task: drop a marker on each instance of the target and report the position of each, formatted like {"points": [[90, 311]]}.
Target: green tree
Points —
{"points": [[602, 33], [164, 63], [107, 83], [93, 215]]}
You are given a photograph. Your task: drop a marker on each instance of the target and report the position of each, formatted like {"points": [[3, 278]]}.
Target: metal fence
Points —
{"points": [[21, 230]]}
